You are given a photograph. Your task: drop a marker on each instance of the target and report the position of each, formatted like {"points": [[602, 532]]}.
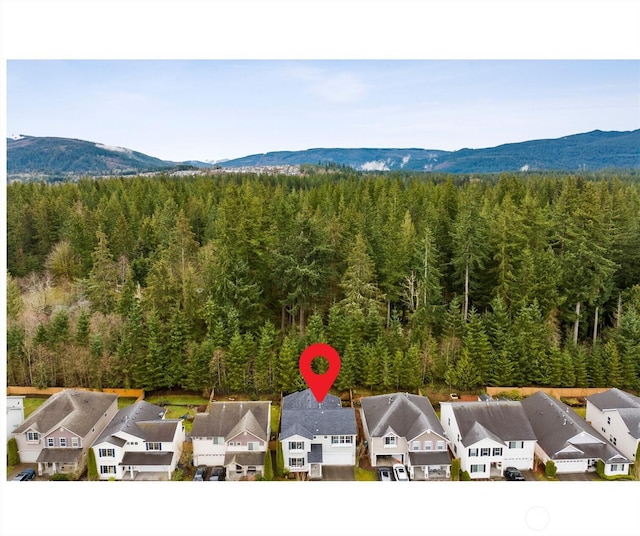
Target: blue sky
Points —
{"points": [[214, 109]]}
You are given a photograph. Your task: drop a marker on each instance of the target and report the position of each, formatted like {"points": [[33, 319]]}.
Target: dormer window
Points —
{"points": [[390, 441], [33, 437]]}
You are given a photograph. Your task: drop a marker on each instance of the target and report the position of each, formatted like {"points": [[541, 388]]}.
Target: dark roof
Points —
{"points": [[302, 416], [432, 457], [306, 400], [77, 411], [315, 456], [614, 399], [62, 455], [244, 458], [501, 420], [162, 431], [559, 428], [224, 417], [127, 419], [631, 417], [405, 414], [147, 458]]}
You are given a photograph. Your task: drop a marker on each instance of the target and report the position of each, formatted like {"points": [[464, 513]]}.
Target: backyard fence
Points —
{"points": [[556, 392], [138, 394]]}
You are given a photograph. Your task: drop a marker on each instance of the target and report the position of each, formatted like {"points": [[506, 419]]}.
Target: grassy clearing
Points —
{"points": [[32, 404], [178, 400], [365, 475], [275, 418], [123, 402], [582, 411]]}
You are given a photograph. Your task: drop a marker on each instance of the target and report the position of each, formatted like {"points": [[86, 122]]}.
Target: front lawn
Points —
{"points": [[365, 475]]}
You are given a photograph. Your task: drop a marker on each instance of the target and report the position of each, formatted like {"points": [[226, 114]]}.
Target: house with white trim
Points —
{"points": [[314, 434], [615, 415], [404, 428], [233, 434], [568, 440], [489, 436], [58, 435], [139, 442]]}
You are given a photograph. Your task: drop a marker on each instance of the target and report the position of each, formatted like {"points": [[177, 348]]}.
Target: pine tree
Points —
{"points": [[83, 328], [103, 277]]}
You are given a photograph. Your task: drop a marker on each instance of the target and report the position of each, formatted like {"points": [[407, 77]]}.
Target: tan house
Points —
{"points": [[59, 433]]}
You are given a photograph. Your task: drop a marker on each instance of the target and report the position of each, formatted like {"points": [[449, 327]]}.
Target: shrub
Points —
{"points": [[465, 476], [550, 469], [12, 452], [455, 469], [268, 466], [279, 460], [92, 468], [600, 468], [60, 476], [177, 475]]}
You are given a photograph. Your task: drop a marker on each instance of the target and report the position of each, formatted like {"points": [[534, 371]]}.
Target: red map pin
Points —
{"points": [[319, 383]]}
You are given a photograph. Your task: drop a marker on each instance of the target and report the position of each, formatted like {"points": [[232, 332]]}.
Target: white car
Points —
{"points": [[400, 472]]}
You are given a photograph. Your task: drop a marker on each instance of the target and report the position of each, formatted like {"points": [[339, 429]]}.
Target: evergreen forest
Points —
{"points": [[416, 279]]}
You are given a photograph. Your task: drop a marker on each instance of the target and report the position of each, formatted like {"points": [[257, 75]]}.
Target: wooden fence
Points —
{"points": [[138, 394], [556, 392]]}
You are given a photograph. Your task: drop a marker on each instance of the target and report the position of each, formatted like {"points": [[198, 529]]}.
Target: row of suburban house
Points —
{"points": [[487, 436]]}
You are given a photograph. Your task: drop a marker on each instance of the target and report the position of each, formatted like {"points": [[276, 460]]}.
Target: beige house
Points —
{"points": [[59, 433]]}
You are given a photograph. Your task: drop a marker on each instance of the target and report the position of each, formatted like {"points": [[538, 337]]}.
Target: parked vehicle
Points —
{"points": [[511, 473], [27, 474], [385, 474], [216, 473], [200, 472], [400, 472]]}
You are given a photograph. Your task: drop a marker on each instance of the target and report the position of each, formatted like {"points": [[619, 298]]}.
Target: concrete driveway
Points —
{"points": [[578, 477], [338, 473]]}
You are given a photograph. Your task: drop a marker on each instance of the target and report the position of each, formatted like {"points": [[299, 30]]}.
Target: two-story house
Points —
{"points": [[234, 435], [615, 415], [139, 440], [59, 433], [568, 440], [314, 434], [404, 427], [489, 436]]}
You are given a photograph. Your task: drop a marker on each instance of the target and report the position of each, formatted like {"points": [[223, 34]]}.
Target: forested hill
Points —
{"points": [[220, 281], [59, 158], [590, 151], [50, 158]]}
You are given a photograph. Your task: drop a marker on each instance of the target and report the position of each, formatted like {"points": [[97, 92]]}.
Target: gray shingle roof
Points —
{"points": [[432, 457], [62, 455], [503, 419], [558, 427], [160, 430], [407, 415], [631, 417], [300, 412], [77, 411], [223, 419], [147, 458], [244, 458], [614, 399], [127, 420]]}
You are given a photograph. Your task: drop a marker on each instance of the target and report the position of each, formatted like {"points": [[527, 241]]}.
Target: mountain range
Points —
{"points": [[31, 157]]}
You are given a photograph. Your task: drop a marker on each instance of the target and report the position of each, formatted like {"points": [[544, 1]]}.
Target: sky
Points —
{"points": [[217, 109]]}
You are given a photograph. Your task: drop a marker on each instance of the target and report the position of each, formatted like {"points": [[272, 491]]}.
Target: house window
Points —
{"points": [[106, 453], [33, 437], [415, 445], [473, 452], [428, 445], [440, 445], [296, 445], [154, 446], [107, 469], [615, 441], [614, 466], [75, 442], [63, 441], [50, 442], [485, 452], [497, 451], [218, 440], [390, 441], [516, 444], [608, 420], [251, 469], [478, 468], [296, 462], [341, 440], [253, 445]]}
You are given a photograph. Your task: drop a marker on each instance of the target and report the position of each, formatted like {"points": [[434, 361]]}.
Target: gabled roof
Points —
{"points": [[562, 433], [631, 417], [407, 415], [61, 455], [614, 399], [245, 458], [77, 411], [223, 419], [327, 418], [127, 420], [248, 423], [500, 420]]}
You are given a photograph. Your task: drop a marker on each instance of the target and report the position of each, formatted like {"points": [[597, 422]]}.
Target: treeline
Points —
{"points": [[222, 281]]}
